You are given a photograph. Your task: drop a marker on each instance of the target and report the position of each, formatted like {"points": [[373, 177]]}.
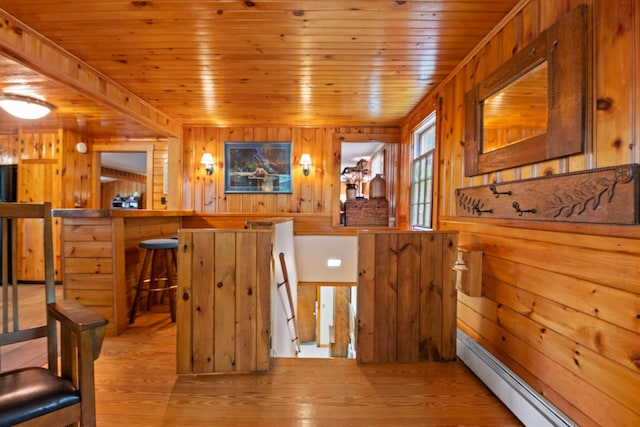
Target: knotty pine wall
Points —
{"points": [[311, 202], [561, 302], [50, 169], [42, 176]]}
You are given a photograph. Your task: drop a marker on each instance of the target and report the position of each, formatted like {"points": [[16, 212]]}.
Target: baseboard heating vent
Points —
{"points": [[525, 403]]}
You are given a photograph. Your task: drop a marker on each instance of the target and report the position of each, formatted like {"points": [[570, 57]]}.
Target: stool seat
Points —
{"points": [[159, 244]]}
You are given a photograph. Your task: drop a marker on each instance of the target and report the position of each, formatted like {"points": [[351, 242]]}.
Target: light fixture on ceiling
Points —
{"points": [[25, 107], [334, 262], [305, 161], [207, 160]]}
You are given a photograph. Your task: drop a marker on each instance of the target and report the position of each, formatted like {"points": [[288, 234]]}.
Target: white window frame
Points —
{"points": [[421, 205]]}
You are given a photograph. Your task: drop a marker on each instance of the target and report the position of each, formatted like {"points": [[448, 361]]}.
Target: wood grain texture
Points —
{"points": [[406, 296], [102, 261], [604, 195], [132, 391], [225, 291], [315, 392], [285, 63], [313, 197], [564, 327], [559, 302]]}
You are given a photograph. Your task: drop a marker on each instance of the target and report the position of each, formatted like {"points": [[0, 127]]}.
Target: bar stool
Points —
{"points": [[156, 282]]}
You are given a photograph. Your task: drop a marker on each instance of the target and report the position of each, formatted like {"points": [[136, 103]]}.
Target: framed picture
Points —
{"points": [[257, 167]]}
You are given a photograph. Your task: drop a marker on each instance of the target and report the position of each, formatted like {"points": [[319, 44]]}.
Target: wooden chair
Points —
{"points": [[51, 396]]}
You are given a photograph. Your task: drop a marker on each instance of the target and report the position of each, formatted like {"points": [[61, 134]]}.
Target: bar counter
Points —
{"points": [[101, 259]]}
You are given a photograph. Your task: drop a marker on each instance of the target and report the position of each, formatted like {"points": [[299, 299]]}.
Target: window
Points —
{"points": [[424, 145]]}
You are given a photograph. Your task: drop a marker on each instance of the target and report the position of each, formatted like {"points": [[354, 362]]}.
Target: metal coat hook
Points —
{"points": [[479, 211], [497, 193], [516, 206]]}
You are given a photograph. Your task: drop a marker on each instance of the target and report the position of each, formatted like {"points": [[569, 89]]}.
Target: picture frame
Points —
{"points": [[257, 167]]}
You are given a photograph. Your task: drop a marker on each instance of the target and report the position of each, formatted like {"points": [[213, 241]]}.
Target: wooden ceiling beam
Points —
{"points": [[28, 47]]}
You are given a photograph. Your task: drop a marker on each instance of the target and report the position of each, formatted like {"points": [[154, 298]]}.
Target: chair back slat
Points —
{"points": [[23, 335]]}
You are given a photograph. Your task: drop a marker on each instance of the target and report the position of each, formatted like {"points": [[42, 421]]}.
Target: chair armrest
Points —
{"points": [[76, 316], [78, 319], [82, 331]]}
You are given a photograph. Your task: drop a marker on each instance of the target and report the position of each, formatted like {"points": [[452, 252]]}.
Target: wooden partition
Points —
{"points": [[223, 311], [406, 296]]}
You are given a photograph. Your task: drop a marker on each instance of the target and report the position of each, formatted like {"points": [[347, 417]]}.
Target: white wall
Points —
{"points": [[312, 253]]}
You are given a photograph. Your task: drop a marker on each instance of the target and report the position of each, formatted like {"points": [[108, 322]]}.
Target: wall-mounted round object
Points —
{"points": [[81, 147]]}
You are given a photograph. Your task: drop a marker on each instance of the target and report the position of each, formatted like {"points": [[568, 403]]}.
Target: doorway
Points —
{"points": [[326, 289], [123, 177], [326, 320]]}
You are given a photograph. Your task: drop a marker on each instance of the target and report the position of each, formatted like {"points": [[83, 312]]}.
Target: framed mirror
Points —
{"points": [[534, 107]]}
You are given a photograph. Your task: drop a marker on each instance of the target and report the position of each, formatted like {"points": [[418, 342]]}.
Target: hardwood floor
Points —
{"points": [[136, 385]]}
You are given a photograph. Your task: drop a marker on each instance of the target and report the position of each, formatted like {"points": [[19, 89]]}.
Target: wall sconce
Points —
{"points": [[207, 159], [25, 107], [305, 161]]}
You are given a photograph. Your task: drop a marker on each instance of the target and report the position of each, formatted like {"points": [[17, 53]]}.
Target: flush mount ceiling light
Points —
{"points": [[25, 107], [334, 262]]}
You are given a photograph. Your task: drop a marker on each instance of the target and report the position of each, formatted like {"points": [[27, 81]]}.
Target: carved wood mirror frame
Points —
{"points": [[564, 47]]}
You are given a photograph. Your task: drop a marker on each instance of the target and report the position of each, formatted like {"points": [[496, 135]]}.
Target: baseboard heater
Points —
{"points": [[525, 403]]}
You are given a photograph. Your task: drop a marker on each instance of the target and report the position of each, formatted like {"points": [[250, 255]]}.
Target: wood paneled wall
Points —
{"points": [[51, 169], [560, 303], [313, 194]]}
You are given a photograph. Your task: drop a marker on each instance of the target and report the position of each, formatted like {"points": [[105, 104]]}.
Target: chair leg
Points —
{"points": [[140, 287]]}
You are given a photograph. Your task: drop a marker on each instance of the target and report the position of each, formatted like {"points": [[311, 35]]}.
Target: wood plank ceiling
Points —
{"points": [[254, 63]]}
